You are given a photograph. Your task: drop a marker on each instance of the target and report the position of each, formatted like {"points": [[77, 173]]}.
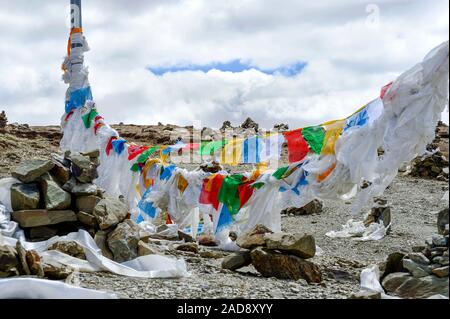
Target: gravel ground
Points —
{"points": [[413, 202]]}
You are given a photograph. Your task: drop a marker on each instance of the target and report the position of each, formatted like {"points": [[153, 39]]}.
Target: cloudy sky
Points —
{"points": [[174, 61]]}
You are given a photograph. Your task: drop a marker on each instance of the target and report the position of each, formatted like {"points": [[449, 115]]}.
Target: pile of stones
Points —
{"points": [[16, 261], [279, 255], [3, 120], [57, 196], [314, 207], [422, 273], [434, 165]]}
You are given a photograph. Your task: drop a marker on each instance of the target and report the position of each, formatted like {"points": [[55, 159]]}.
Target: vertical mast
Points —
{"points": [[75, 14], [75, 73]]}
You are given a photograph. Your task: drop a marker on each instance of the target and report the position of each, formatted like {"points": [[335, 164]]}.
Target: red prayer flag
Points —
{"points": [[109, 145], [245, 193], [135, 150], [210, 191], [297, 146]]}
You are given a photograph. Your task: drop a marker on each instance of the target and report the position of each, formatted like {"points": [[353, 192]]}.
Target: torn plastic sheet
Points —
{"points": [[370, 281], [32, 288], [375, 231], [151, 266]]}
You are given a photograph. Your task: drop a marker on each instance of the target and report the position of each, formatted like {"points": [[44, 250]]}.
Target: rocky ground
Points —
{"points": [[341, 262], [414, 202]]}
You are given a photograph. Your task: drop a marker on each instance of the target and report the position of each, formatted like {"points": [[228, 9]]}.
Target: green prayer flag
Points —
{"points": [[314, 136], [88, 118], [145, 155], [229, 195], [280, 172], [209, 148], [135, 167]]}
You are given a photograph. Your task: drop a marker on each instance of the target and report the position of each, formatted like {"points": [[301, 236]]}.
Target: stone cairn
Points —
{"points": [[434, 165], [56, 197], [279, 255], [314, 207], [3, 120], [422, 273]]}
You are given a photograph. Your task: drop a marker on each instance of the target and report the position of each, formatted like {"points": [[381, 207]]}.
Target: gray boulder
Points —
{"points": [[55, 198], [237, 260], [301, 245], [82, 168], [24, 196], [123, 241], [87, 203], [42, 217], [442, 220], [30, 170], [8, 262], [404, 285], [254, 238], [417, 270], [110, 212]]}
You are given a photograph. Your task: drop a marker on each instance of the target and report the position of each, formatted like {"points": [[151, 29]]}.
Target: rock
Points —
{"points": [[34, 263], [9, 261], [56, 271], [233, 235], [211, 254], [226, 126], [440, 241], [404, 285], [3, 120], [314, 207], [110, 212], [82, 168], [30, 170], [441, 260], [394, 264], [84, 189], [87, 219], [301, 245], [366, 294], [87, 203], [419, 258], [441, 271], [24, 196], [237, 260], [206, 240], [70, 248], [186, 237], [42, 217], [417, 270], [281, 127], [250, 124], [92, 154], [442, 220], [189, 247], [60, 172], [380, 212], [145, 249], [100, 239], [254, 238], [42, 232], [272, 264], [123, 241], [22, 256], [55, 198]]}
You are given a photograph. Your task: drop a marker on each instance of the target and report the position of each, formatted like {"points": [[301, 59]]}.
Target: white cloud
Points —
{"points": [[348, 60]]}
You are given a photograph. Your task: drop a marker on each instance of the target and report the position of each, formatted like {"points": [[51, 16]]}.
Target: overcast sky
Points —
{"points": [[172, 61]]}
